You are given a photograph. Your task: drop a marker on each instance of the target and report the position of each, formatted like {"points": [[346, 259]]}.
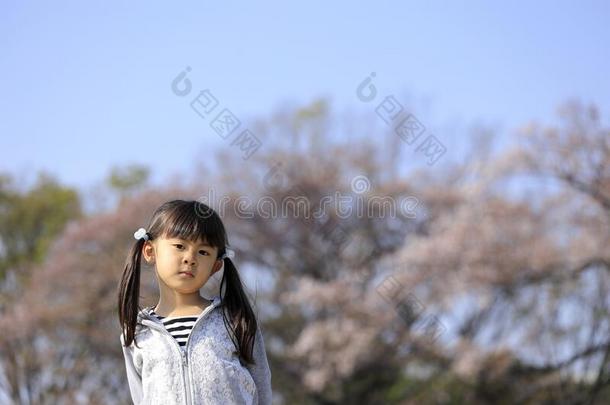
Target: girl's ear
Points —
{"points": [[148, 252], [217, 266]]}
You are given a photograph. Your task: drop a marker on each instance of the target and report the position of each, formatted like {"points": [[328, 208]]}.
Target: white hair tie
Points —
{"points": [[230, 253], [141, 234]]}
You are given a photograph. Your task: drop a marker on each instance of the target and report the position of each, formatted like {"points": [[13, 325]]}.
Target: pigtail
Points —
{"points": [[129, 293], [242, 319]]}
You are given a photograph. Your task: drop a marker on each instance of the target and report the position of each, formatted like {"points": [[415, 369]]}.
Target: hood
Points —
{"points": [[145, 313]]}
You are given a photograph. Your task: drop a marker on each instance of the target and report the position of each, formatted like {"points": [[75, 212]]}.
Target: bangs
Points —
{"points": [[185, 223]]}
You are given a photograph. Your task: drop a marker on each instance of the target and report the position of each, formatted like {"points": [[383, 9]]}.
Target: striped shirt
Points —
{"points": [[178, 326]]}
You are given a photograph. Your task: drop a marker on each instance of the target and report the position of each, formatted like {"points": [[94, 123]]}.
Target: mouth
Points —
{"points": [[186, 274]]}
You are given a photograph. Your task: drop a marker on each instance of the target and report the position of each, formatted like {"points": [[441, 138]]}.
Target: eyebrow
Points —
{"points": [[201, 244]]}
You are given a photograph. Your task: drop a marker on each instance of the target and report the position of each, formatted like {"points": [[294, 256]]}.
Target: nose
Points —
{"points": [[189, 259]]}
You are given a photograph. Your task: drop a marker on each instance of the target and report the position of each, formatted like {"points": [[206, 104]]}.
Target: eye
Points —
{"points": [[203, 251], [178, 245]]}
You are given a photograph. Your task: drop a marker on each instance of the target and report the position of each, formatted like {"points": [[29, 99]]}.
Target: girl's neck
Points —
{"points": [[182, 310]]}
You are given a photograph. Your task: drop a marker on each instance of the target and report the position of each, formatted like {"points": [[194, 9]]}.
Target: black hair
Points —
{"points": [[190, 220]]}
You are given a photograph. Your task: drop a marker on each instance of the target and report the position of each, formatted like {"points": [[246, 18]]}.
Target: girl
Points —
{"points": [[190, 350]]}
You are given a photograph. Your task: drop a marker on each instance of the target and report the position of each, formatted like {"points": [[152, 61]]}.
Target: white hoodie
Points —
{"points": [[205, 371]]}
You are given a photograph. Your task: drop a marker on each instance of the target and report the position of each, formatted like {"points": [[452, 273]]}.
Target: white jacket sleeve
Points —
{"points": [[133, 377], [261, 374]]}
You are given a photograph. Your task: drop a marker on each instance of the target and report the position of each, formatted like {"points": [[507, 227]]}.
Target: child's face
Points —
{"points": [[173, 256]]}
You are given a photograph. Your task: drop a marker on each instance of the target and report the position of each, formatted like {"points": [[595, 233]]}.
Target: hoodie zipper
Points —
{"points": [[186, 375], [183, 353]]}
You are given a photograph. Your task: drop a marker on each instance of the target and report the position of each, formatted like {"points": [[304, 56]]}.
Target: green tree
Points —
{"points": [[30, 220], [129, 179]]}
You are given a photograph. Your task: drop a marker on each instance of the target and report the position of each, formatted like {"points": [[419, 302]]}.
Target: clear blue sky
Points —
{"points": [[86, 85]]}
